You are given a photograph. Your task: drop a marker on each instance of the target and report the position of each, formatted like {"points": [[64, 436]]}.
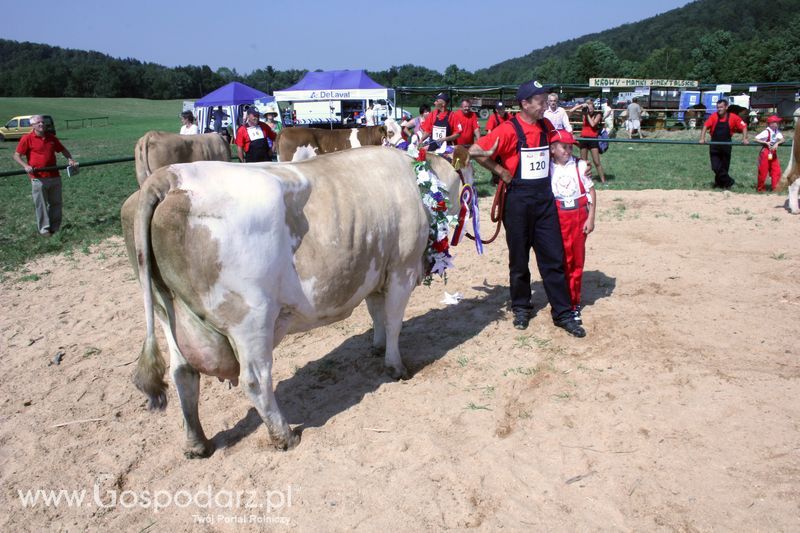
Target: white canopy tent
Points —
{"points": [[337, 86]]}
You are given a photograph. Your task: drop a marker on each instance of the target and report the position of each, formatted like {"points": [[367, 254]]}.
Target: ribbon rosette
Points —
{"points": [[469, 207]]}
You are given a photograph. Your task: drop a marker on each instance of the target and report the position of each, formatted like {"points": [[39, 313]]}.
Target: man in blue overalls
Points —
{"points": [[530, 218], [251, 138], [440, 125], [722, 126]]}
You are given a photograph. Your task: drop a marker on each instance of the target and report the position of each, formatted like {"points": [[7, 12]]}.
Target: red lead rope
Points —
{"points": [[498, 208]]}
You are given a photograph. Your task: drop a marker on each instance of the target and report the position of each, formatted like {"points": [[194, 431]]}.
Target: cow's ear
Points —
{"points": [[458, 164]]}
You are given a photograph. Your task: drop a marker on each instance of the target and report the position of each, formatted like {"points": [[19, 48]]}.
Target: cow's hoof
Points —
{"points": [[288, 443], [397, 373], [157, 402], [200, 450]]}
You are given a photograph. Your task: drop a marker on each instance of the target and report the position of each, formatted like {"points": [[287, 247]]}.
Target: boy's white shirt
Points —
{"points": [[764, 135], [564, 181]]}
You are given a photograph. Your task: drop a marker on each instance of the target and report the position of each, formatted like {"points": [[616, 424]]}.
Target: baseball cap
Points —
{"points": [[442, 96], [499, 105], [561, 136], [773, 118], [528, 89], [253, 111]]}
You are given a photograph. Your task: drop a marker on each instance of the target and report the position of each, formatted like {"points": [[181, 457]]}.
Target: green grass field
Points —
{"points": [[92, 199]]}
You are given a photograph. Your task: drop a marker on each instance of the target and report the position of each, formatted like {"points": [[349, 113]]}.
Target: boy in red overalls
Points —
{"points": [[576, 201], [768, 157]]}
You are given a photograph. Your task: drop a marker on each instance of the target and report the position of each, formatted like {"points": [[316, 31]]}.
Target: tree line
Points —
{"points": [[712, 41]]}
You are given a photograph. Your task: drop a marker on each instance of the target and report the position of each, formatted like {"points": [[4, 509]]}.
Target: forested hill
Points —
{"points": [[708, 40], [31, 69], [711, 41]]}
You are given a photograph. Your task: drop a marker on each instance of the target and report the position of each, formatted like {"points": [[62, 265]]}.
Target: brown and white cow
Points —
{"points": [[234, 257], [299, 144], [157, 149], [791, 176]]}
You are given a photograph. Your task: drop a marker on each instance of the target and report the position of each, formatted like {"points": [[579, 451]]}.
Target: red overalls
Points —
{"points": [[572, 215], [767, 164]]}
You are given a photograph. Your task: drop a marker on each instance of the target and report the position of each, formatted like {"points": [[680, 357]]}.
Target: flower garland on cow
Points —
{"points": [[435, 199]]}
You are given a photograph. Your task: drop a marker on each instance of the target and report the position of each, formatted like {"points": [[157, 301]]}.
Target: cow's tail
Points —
{"points": [[792, 172], [150, 368], [142, 164]]}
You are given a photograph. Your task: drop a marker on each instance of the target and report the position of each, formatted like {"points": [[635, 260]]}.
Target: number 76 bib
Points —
{"points": [[534, 163]]}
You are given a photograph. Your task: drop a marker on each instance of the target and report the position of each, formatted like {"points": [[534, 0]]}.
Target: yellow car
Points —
{"points": [[19, 126]]}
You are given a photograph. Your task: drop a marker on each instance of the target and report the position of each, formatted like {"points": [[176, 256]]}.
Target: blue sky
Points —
{"points": [[317, 34]]}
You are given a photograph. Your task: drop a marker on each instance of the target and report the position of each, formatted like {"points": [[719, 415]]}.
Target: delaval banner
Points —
{"points": [[333, 94]]}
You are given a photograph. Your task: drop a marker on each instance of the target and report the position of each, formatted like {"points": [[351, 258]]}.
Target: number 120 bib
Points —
{"points": [[534, 163]]}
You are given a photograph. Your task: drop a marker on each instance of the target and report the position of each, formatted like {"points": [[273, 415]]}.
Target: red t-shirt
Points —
{"points": [[507, 147], [433, 116], [466, 126], [40, 152], [243, 140], [588, 130], [496, 119], [735, 123]]}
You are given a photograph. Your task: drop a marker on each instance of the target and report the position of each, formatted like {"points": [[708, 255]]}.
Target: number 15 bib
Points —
{"points": [[255, 133]]}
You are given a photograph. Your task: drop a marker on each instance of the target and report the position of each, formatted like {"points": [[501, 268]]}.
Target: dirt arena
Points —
{"points": [[678, 412]]}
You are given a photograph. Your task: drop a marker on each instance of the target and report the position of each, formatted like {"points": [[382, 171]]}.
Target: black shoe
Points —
{"points": [[521, 320], [572, 327], [576, 313]]}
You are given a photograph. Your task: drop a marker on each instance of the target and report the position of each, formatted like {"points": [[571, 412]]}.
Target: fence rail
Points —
{"points": [[612, 140], [83, 121], [62, 167]]}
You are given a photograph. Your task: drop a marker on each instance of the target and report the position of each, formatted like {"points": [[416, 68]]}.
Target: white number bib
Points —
{"points": [[534, 163], [439, 133], [255, 133]]}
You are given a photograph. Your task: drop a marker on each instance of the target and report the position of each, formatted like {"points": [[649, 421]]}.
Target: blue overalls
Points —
{"points": [[531, 220], [441, 129]]}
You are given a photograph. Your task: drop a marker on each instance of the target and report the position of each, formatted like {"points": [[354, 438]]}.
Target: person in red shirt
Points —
{"points": [[592, 124], [440, 125], [530, 216], [251, 138], [722, 126], [466, 124], [499, 116], [40, 148]]}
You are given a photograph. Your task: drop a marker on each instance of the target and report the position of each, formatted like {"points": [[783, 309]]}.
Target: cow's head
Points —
{"points": [[461, 162], [392, 132], [462, 157]]}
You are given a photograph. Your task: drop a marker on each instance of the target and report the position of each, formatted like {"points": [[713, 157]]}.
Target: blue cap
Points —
{"points": [[442, 96], [528, 89]]}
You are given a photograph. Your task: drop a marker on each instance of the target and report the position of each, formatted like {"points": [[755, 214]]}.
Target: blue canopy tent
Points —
{"points": [[231, 97], [317, 85]]}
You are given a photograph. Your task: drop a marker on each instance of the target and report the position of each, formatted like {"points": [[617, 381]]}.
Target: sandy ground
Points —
{"points": [[678, 411]]}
